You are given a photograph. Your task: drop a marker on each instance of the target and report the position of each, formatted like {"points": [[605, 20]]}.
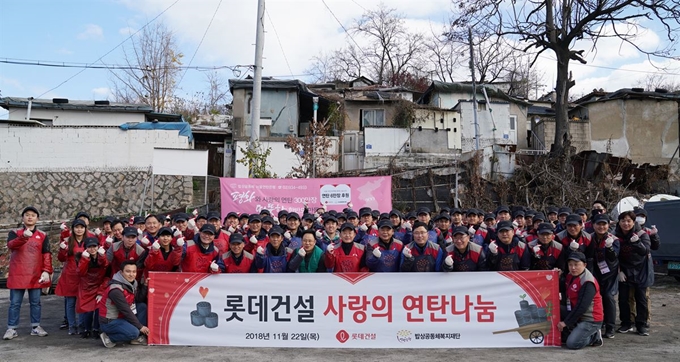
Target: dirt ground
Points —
{"points": [[662, 344]]}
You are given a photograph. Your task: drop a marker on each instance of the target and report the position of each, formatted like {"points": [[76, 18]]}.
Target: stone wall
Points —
{"points": [[60, 195]]}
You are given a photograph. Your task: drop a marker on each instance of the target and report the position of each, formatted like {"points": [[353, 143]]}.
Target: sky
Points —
{"points": [[85, 31]]}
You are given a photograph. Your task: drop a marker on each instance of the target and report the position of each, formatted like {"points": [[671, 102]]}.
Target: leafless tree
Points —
{"points": [[444, 55], [556, 25], [218, 94], [153, 59], [651, 82]]}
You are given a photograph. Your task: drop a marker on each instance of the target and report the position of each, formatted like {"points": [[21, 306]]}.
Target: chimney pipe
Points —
{"points": [[28, 110]]}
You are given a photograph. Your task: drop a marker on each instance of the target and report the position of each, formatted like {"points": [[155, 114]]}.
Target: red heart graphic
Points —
{"points": [[203, 291], [342, 336]]}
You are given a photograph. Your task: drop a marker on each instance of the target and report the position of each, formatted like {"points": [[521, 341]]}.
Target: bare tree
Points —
{"points": [[153, 60], [313, 150], [444, 56], [218, 93], [651, 82], [556, 25]]}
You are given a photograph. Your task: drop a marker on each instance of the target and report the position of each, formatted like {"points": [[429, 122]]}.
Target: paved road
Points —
{"points": [[662, 345]]}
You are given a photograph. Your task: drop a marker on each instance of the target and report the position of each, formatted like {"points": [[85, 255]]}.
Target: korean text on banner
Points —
{"points": [[253, 195], [355, 310]]}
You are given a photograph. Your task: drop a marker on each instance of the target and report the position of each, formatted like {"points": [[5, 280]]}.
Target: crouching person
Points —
{"points": [[583, 313], [121, 319]]}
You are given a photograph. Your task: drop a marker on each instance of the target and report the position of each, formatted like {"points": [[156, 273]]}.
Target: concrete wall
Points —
{"points": [[642, 130], [579, 130], [432, 118], [385, 141], [55, 148], [487, 135], [60, 195], [281, 106], [79, 118], [353, 113]]}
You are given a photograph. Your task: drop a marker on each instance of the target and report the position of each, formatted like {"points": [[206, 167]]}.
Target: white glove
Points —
{"points": [[330, 248], [483, 226], [573, 245], [537, 249], [28, 233], [471, 230], [260, 250], [318, 234], [180, 242], [519, 232], [99, 297], [156, 245], [287, 235], [407, 252], [654, 230], [449, 260], [177, 233], [407, 225], [363, 227], [609, 242], [195, 212], [374, 227], [231, 229], [319, 219], [634, 238], [377, 253], [493, 247], [253, 239], [63, 245], [276, 220], [85, 254], [97, 231], [449, 240], [65, 240], [63, 226], [515, 224], [305, 228], [101, 250], [622, 276], [44, 278], [145, 241], [109, 240], [140, 232], [349, 204], [192, 224], [213, 266], [302, 252]]}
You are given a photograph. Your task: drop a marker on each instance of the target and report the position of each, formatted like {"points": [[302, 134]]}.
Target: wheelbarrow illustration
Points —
{"points": [[534, 332]]}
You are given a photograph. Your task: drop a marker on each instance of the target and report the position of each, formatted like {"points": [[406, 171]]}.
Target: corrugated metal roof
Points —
{"points": [[19, 102]]}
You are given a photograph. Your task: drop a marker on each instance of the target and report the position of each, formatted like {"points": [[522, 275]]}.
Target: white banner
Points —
{"points": [[397, 310]]}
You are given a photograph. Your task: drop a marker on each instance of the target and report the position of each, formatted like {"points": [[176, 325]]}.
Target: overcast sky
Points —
{"points": [[82, 31]]}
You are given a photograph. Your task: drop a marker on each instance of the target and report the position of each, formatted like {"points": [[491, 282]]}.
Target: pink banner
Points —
{"points": [[252, 195]]}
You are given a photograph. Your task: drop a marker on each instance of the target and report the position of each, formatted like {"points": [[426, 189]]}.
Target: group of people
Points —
{"points": [[105, 272]]}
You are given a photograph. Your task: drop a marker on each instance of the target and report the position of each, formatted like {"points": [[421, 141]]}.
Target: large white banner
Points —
{"points": [[362, 310]]}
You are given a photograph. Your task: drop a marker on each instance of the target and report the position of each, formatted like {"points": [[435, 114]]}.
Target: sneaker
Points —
{"points": [[85, 335], [609, 334], [72, 331], [38, 331], [598, 339], [64, 324], [106, 340], [625, 328], [139, 341], [10, 334], [95, 334], [643, 331]]}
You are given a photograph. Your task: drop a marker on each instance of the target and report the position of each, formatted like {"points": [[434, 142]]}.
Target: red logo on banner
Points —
{"points": [[342, 336], [203, 291], [353, 278]]}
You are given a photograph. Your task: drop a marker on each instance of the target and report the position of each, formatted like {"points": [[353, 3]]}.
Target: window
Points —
{"points": [[372, 117], [513, 123]]}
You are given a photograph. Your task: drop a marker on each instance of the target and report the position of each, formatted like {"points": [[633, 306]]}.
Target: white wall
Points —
{"points": [[79, 118], [52, 148], [431, 118], [385, 141], [487, 135], [281, 159]]}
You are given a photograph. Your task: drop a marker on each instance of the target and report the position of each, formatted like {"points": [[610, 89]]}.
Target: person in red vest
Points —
{"points": [[70, 250], [348, 256], [509, 252], [583, 315], [199, 257], [30, 266], [128, 249], [92, 271], [463, 255], [165, 253], [236, 260]]}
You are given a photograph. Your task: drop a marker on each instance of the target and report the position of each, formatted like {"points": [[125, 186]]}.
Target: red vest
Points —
{"points": [[67, 286], [156, 261], [341, 263], [118, 254], [196, 259], [230, 263], [574, 285], [27, 262]]}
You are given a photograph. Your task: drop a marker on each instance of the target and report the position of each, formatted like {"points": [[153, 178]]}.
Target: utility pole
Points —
{"points": [[316, 108], [474, 89], [257, 81]]}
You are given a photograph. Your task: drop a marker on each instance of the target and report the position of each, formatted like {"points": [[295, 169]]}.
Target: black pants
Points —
{"points": [[641, 304], [608, 289]]}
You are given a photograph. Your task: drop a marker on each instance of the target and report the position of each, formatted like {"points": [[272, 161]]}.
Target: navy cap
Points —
{"points": [[268, 219], [564, 210], [504, 225], [308, 217], [334, 213], [283, 213], [639, 211], [517, 214], [130, 231], [254, 218], [546, 228], [77, 222], [551, 210], [445, 210], [82, 214], [181, 217], [341, 216], [480, 212], [489, 216], [459, 230], [530, 214], [328, 218], [276, 230], [201, 216], [347, 225], [539, 216], [573, 219], [385, 224], [293, 215], [165, 231], [442, 217], [30, 208], [472, 211], [352, 214], [232, 214], [214, 215], [265, 212], [502, 209], [577, 256], [91, 241], [601, 218], [242, 216], [455, 210], [109, 219], [375, 214], [581, 211], [364, 211], [423, 210], [410, 215], [209, 228], [384, 215], [235, 238]]}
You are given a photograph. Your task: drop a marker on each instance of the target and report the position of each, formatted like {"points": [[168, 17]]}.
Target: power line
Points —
{"points": [[110, 51], [279, 40], [359, 5], [343, 27], [201, 42], [57, 64]]}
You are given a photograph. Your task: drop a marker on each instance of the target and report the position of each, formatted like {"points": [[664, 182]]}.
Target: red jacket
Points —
{"points": [[230, 266], [160, 261], [29, 258], [93, 282], [117, 254], [69, 278], [196, 259], [341, 263]]}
